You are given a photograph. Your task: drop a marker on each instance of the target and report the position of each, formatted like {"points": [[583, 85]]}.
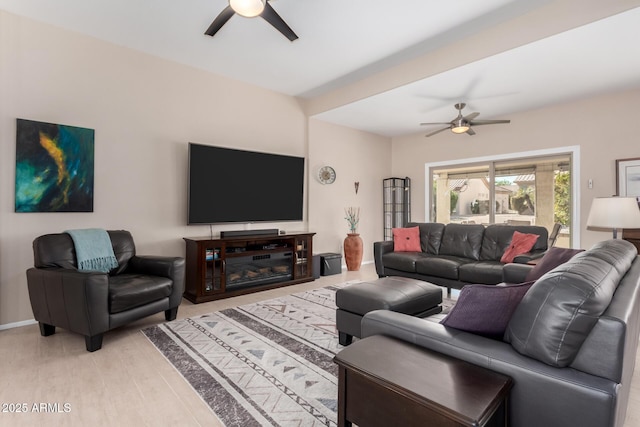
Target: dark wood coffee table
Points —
{"points": [[387, 382]]}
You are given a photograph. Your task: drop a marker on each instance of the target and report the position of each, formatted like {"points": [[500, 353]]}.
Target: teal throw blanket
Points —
{"points": [[93, 249]]}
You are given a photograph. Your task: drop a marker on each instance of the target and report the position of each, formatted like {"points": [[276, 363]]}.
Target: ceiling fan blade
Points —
{"points": [[437, 131], [272, 17], [470, 132], [220, 20], [471, 116], [488, 122], [438, 123]]}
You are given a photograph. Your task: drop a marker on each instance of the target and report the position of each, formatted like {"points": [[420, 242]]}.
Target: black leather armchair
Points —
{"points": [[91, 303]]}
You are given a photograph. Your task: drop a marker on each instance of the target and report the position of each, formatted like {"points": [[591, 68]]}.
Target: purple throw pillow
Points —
{"points": [[486, 309], [553, 258]]}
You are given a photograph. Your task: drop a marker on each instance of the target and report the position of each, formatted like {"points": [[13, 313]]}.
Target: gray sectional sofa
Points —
{"points": [[570, 345], [455, 255]]}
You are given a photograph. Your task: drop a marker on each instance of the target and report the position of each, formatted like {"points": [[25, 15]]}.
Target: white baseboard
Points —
{"points": [[344, 265], [17, 324]]}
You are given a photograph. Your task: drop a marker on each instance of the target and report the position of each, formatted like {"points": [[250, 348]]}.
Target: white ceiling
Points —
{"points": [[343, 41], [592, 59]]}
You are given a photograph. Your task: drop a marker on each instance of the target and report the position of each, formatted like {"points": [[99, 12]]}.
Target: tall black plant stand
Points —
{"points": [[397, 204]]}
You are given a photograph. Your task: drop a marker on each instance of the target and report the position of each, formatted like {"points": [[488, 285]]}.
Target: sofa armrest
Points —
{"points": [[587, 400], [162, 266], [70, 299], [529, 256], [515, 273], [169, 267], [379, 249]]}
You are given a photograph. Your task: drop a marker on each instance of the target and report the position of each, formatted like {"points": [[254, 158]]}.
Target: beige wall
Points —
{"points": [[593, 124], [144, 112], [357, 157]]}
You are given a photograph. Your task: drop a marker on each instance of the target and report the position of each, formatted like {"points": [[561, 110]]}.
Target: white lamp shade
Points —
{"points": [[614, 212], [247, 8]]}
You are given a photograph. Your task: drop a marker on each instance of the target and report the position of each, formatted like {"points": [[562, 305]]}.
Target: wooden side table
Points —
{"points": [[384, 381]]}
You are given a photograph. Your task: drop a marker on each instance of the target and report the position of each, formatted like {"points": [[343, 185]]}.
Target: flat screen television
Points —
{"points": [[228, 185]]}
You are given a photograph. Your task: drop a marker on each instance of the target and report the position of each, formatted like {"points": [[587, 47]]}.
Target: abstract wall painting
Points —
{"points": [[54, 167]]}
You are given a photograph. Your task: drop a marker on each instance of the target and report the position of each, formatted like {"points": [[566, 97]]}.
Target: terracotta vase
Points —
{"points": [[353, 251]]}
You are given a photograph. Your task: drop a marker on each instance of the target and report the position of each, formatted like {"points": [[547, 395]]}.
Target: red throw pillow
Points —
{"points": [[406, 239], [521, 243]]}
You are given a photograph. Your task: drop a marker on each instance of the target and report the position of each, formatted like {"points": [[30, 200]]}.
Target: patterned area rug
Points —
{"points": [[268, 363]]}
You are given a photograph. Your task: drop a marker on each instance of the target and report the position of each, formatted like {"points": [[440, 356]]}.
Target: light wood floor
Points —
{"points": [[128, 382]]}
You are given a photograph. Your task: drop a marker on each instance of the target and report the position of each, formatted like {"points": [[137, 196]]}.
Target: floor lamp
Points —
{"points": [[614, 213]]}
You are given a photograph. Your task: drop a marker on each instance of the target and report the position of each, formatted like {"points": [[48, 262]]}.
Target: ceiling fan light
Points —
{"points": [[460, 129], [247, 8], [459, 125]]}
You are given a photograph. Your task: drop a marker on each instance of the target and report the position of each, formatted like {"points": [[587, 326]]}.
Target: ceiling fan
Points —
{"points": [[251, 9], [463, 124]]}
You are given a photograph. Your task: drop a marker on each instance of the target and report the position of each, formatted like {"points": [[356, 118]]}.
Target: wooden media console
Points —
{"points": [[230, 266]]}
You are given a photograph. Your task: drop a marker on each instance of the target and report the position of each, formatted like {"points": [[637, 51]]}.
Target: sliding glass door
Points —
{"points": [[527, 191]]}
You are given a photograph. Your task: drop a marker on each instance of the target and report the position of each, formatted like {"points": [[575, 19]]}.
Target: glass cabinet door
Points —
{"points": [[301, 257], [213, 270]]}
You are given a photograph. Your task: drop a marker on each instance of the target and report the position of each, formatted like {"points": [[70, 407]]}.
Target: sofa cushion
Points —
{"points": [[406, 239], [487, 272], [54, 250], [57, 250], [443, 266], [485, 309], [127, 291], [520, 243], [462, 240], [123, 247], [403, 261], [554, 257], [559, 311], [430, 236]]}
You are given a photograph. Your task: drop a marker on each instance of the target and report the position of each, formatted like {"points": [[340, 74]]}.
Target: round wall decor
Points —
{"points": [[326, 175]]}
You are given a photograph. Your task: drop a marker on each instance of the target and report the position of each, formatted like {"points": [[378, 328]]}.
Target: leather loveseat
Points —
{"points": [[570, 345], [455, 255], [91, 302]]}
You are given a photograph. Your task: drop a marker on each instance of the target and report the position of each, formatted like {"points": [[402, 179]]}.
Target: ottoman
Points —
{"points": [[401, 294]]}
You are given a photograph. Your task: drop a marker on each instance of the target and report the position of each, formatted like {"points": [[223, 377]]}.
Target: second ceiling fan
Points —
{"points": [[251, 9], [463, 124]]}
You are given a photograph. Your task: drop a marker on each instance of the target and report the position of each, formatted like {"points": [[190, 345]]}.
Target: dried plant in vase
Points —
{"points": [[352, 217]]}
